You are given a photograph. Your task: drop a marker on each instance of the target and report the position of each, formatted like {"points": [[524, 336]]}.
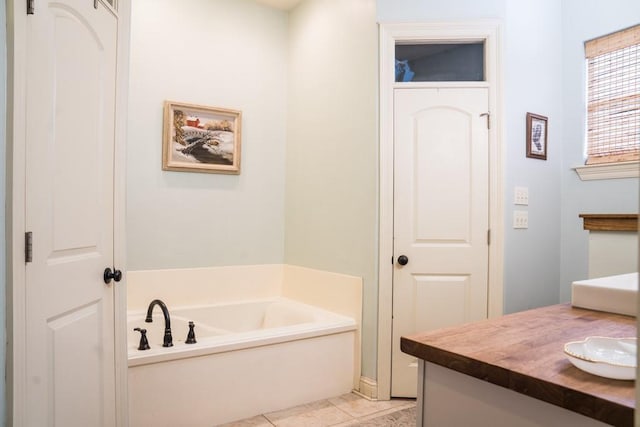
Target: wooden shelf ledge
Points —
{"points": [[610, 222]]}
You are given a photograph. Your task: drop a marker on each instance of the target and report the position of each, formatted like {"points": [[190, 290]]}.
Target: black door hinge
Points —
{"points": [[30, 7], [28, 246]]}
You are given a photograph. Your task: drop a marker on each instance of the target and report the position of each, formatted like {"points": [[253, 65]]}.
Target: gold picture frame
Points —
{"points": [[198, 138]]}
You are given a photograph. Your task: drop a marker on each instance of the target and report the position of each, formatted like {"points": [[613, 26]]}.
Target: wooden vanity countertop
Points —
{"points": [[524, 352]]}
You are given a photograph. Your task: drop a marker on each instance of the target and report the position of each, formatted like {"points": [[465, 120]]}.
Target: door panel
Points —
{"points": [[65, 332], [450, 306], [70, 367], [441, 209]]}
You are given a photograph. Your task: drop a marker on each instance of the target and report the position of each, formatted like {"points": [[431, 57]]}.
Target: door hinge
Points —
{"points": [[30, 7], [488, 237], [28, 246], [95, 4], [488, 119]]}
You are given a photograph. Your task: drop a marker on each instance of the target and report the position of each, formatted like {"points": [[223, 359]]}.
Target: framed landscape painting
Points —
{"points": [[201, 139]]}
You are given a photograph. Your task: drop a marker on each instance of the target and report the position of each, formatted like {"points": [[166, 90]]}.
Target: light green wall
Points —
{"points": [[532, 29], [332, 146], [220, 53], [306, 82]]}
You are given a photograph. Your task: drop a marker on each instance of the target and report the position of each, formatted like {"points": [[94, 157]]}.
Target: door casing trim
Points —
{"points": [[488, 31]]}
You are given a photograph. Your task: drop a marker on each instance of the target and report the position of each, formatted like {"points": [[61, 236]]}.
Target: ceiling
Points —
{"points": [[280, 4]]}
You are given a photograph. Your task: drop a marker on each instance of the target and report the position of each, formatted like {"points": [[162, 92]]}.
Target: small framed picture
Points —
{"points": [[197, 138], [536, 136]]}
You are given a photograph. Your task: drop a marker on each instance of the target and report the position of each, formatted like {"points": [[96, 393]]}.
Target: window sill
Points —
{"points": [[608, 171]]}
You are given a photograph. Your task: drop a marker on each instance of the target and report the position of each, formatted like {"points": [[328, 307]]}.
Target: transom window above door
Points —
{"points": [[439, 62]]}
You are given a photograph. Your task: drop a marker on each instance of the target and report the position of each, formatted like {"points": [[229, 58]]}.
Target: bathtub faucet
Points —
{"points": [[168, 340]]}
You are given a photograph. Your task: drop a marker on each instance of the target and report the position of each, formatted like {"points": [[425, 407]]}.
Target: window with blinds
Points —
{"points": [[613, 97]]}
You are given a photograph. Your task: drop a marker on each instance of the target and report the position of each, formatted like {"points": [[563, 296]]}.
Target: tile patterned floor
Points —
{"points": [[349, 410]]}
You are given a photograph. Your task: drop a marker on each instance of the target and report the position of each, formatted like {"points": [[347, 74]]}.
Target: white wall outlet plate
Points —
{"points": [[521, 196], [520, 219]]}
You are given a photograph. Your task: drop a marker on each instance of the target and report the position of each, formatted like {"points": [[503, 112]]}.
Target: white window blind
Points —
{"points": [[613, 97]]}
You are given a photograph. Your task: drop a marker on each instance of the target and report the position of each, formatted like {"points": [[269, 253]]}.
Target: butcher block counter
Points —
{"points": [[502, 371]]}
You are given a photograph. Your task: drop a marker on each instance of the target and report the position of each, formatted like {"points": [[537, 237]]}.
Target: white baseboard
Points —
{"points": [[368, 388]]}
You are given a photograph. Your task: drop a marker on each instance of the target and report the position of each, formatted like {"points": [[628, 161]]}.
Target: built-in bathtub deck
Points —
{"points": [[272, 364], [273, 352]]}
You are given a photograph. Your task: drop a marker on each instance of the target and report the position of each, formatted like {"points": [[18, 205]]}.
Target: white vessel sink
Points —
{"points": [[613, 294]]}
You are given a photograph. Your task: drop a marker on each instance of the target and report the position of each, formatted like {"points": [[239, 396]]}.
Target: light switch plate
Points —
{"points": [[520, 219], [521, 196]]}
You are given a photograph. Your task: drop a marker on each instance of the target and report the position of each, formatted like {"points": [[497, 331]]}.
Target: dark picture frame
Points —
{"points": [[537, 130]]}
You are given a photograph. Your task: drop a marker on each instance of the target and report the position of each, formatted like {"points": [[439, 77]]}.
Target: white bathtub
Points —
{"points": [[251, 357]]}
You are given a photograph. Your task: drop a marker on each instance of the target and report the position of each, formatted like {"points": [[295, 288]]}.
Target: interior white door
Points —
{"points": [[70, 368], [441, 216]]}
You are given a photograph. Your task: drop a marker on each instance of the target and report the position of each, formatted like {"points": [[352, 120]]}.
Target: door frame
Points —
{"points": [[15, 200], [488, 31]]}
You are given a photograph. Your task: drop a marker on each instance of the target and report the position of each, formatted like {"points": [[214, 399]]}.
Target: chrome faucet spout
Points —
{"points": [[167, 340]]}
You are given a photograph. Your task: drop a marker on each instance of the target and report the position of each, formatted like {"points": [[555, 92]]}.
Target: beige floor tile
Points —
{"points": [[317, 414], [349, 410], [392, 418], [297, 410], [259, 421], [357, 406], [350, 423], [396, 417]]}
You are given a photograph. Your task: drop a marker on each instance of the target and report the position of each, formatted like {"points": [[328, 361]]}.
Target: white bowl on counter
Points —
{"points": [[606, 357]]}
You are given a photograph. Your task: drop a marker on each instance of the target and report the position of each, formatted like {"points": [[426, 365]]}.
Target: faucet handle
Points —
{"points": [[191, 336], [144, 343]]}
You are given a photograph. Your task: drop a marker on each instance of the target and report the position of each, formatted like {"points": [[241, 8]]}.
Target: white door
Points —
{"points": [[441, 208], [71, 63]]}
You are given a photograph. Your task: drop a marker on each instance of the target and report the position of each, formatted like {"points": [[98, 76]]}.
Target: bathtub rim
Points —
{"points": [[330, 323]]}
